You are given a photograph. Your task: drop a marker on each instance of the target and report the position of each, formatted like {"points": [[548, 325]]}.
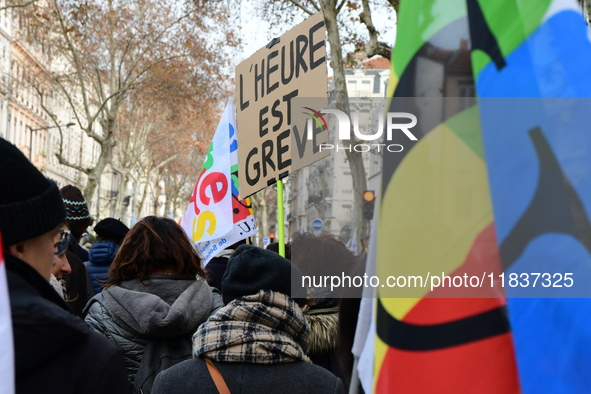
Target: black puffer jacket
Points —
{"points": [[51, 343], [165, 306]]}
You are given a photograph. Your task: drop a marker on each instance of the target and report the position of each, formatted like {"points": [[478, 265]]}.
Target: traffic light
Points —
{"points": [[369, 199], [272, 237]]}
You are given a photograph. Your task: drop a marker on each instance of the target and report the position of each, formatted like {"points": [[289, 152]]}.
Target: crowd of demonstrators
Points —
{"points": [[54, 350], [110, 233], [154, 315], [257, 342], [156, 289]]}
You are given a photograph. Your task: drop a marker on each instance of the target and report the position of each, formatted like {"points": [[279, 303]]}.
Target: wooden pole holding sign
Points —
{"points": [[280, 220]]}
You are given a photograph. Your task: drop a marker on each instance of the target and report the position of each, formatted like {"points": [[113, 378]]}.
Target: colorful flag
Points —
{"points": [[532, 79], [6, 348], [216, 218], [530, 162], [436, 216]]}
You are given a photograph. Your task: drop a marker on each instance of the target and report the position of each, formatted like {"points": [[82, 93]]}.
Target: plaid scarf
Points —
{"points": [[264, 328]]}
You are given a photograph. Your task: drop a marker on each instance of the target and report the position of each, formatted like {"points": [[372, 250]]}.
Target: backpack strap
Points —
{"points": [[217, 377]]}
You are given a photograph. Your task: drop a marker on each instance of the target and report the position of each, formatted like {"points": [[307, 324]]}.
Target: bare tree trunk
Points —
{"points": [[97, 171], [122, 189], [259, 208], [105, 157], [140, 206], [355, 159], [155, 202]]}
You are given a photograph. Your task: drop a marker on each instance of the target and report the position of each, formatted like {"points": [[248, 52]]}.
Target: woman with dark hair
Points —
{"points": [[156, 291]]}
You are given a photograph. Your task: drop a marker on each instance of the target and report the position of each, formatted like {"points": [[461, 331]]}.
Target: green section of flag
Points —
{"points": [[511, 22], [466, 125]]}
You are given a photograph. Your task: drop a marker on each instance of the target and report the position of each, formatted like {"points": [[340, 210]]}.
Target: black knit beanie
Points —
{"points": [[111, 229], [30, 204], [251, 269]]}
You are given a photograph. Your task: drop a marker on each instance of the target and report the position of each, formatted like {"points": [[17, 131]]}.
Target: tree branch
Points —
{"points": [[395, 4], [18, 5], [374, 47], [303, 8]]}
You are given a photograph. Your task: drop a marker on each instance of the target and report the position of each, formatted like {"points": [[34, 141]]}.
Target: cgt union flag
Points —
{"points": [[216, 218], [6, 348]]}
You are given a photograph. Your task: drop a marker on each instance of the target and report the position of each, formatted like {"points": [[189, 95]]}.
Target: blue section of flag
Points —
{"points": [[552, 335], [553, 62], [552, 344]]}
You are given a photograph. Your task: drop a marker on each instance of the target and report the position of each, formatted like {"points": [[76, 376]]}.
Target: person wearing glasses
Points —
{"points": [[49, 341], [61, 265]]}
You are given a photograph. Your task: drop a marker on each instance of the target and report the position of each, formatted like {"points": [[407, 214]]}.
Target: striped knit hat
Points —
{"points": [[77, 213], [75, 203]]}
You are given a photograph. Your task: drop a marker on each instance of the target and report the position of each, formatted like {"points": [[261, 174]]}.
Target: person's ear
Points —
{"points": [[17, 250]]}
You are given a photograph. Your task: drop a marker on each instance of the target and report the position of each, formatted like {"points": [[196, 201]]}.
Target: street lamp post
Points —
{"points": [[37, 129]]}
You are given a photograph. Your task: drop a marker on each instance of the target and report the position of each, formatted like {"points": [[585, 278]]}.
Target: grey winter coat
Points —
{"points": [[192, 377], [165, 306]]}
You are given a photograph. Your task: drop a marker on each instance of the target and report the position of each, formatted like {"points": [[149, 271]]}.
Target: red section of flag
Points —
{"points": [[240, 210], [430, 311], [483, 258], [486, 366]]}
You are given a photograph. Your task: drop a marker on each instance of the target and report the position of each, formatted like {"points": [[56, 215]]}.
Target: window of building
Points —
{"points": [[8, 127], [466, 93]]}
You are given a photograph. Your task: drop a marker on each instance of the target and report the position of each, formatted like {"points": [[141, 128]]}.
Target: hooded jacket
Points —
{"points": [[132, 313], [51, 343], [101, 256]]}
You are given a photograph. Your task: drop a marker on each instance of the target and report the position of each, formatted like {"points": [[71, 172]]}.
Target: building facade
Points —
{"points": [[321, 195]]}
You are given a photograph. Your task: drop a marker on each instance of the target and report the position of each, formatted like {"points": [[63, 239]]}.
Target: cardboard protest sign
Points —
{"points": [[269, 125]]}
